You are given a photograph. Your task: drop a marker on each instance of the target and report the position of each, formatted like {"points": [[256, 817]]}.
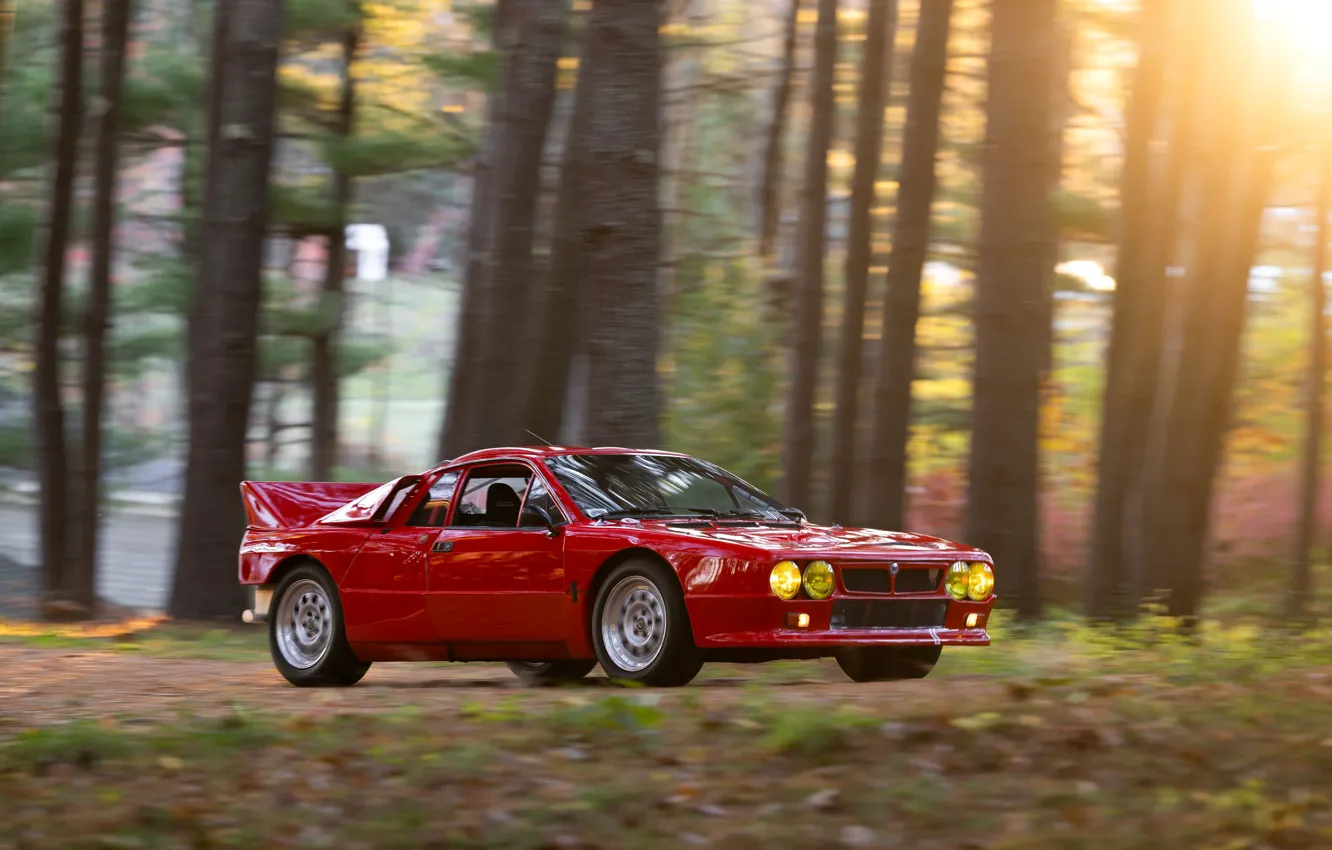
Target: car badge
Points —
{"points": [[894, 569]]}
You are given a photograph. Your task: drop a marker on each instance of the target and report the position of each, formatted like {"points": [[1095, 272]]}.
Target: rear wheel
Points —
{"points": [[552, 672], [888, 663], [306, 634], [640, 627]]}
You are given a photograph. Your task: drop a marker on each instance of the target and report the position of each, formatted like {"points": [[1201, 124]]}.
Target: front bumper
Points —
{"points": [[732, 622]]}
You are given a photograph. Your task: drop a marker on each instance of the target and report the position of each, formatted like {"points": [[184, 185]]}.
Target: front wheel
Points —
{"points": [[551, 672], [306, 634], [640, 628], [888, 663]]}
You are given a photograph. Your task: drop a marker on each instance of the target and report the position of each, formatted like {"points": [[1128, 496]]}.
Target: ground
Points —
{"points": [[153, 735]]}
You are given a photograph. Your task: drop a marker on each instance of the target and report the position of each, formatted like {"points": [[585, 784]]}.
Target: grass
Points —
{"points": [[149, 635], [1134, 765]]}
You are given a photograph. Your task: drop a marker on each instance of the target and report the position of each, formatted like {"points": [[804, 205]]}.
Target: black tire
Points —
{"points": [[888, 663], [307, 594], [676, 660], [546, 673]]}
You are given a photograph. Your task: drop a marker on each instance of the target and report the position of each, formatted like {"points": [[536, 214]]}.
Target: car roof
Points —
{"points": [[539, 452]]}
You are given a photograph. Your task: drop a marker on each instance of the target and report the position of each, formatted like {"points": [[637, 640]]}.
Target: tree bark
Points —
{"points": [[224, 316], [1011, 286], [876, 69], [49, 414], [8, 12], [561, 322], [807, 317], [1301, 578], [770, 206], [457, 434], [622, 231], [886, 470], [1195, 403], [1107, 592], [503, 352], [115, 32], [325, 379]]}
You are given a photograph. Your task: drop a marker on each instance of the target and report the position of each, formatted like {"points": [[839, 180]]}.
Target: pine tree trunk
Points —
{"points": [[504, 352], [49, 414], [8, 12], [622, 229], [561, 321], [1107, 583], [459, 431], [875, 83], [1301, 578], [770, 206], [325, 380], [1195, 403], [224, 317], [886, 469], [807, 317], [115, 31], [1011, 287]]}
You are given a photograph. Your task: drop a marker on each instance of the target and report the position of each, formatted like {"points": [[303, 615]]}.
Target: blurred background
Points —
{"points": [[1045, 276]]}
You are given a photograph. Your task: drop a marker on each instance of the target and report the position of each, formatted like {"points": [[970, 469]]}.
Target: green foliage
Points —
{"points": [[723, 383], [23, 140], [18, 232], [318, 20], [166, 87], [307, 208], [815, 732], [479, 69], [387, 152]]}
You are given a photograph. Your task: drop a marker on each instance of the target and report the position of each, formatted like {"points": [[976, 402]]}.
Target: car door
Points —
{"points": [[384, 591], [496, 572]]}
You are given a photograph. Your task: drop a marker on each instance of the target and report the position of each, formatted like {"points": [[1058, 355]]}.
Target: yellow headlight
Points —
{"points": [[980, 583], [959, 576], [785, 579], [819, 579]]}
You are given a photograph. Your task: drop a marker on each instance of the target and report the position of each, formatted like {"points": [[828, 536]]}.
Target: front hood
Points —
{"points": [[820, 539]]}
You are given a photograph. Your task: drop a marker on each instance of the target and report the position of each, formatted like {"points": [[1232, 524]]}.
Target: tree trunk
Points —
{"points": [[622, 230], [876, 69], [1107, 584], [770, 206], [458, 432], [49, 414], [561, 323], [1301, 579], [807, 317], [1011, 286], [502, 354], [224, 318], [886, 470], [8, 11], [1236, 178], [115, 31], [325, 379]]}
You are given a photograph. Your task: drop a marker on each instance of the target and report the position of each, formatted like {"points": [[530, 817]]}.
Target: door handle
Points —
{"points": [[442, 546]]}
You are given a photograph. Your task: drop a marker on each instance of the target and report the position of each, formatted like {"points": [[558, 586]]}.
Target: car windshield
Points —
{"points": [[605, 485]]}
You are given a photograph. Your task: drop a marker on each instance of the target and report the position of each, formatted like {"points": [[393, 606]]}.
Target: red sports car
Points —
{"points": [[558, 559]]}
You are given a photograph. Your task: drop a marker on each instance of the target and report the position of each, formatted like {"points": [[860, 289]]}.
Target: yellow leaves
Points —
{"points": [[978, 723], [101, 630], [170, 763]]}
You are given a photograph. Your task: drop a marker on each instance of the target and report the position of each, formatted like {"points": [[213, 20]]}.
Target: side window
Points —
{"points": [[538, 497], [491, 496], [434, 506], [393, 502]]}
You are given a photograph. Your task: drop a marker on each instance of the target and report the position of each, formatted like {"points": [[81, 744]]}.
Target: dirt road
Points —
{"points": [[39, 687]]}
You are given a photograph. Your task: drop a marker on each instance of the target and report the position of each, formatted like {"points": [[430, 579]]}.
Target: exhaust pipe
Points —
{"points": [[249, 616]]}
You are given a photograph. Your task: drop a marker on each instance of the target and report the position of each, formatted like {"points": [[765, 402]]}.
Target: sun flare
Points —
{"points": [[1305, 29]]}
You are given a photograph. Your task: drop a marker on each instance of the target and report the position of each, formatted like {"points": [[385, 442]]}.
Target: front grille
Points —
{"points": [[918, 581], [879, 580], [867, 581], [888, 613]]}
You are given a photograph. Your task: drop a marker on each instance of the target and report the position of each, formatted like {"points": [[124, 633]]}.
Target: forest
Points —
{"points": [[1046, 276]]}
